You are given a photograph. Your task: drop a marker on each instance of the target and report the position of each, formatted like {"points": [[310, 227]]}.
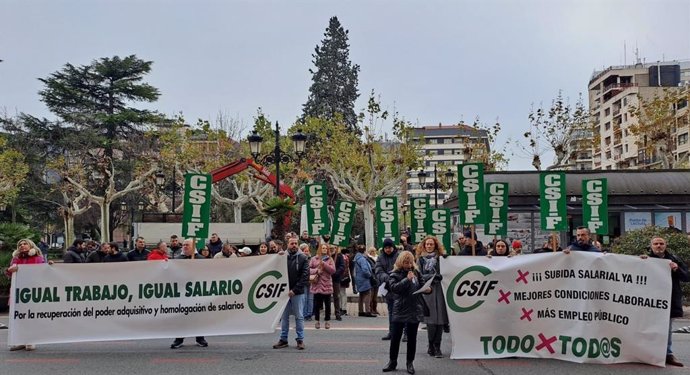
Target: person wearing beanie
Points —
{"points": [[382, 269], [516, 247], [471, 238]]}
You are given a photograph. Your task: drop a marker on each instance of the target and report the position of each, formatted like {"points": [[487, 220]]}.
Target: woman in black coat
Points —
{"points": [[407, 309]]}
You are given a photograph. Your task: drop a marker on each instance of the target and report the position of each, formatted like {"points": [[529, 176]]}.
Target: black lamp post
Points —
{"points": [[421, 175], [160, 181], [277, 155], [123, 209]]}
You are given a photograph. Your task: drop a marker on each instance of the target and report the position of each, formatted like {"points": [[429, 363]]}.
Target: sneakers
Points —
{"points": [[17, 347], [280, 344], [317, 325], [404, 339], [300, 345], [670, 360], [30, 348], [328, 325], [386, 337], [177, 343], [201, 342]]}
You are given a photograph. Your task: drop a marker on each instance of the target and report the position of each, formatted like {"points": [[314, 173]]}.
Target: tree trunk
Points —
{"points": [[105, 221], [237, 209], [368, 224], [68, 220]]}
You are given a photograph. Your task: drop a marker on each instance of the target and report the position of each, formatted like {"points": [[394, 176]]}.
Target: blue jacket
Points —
{"points": [[362, 273]]}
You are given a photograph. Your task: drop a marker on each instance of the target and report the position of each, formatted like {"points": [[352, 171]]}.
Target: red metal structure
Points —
{"points": [[263, 175]]}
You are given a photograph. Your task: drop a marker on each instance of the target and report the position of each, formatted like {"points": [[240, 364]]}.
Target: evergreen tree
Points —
{"points": [[97, 98], [334, 80]]}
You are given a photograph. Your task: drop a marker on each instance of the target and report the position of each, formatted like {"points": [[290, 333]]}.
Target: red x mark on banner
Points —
{"points": [[526, 314], [546, 343], [504, 296], [522, 276]]}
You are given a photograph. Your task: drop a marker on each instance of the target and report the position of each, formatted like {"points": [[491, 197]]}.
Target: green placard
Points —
{"points": [[471, 193], [387, 220], [342, 223], [438, 225], [595, 205], [316, 196], [553, 202], [418, 213], [496, 209], [197, 205]]}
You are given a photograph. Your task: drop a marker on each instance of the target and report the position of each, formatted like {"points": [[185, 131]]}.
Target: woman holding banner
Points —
{"points": [[403, 282], [27, 253], [429, 252]]}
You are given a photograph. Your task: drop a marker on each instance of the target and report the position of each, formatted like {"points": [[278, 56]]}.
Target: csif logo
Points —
{"points": [[266, 291], [471, 289]]}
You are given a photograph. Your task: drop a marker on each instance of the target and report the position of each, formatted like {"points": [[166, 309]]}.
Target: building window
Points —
{"points": [[607, 141], [626, 147], [607, 126], [607, 112], [683, 139], [625, 102]]}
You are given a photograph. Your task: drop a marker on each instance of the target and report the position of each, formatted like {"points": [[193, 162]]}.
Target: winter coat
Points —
{"points": [[362, 273], [430, 267], [157, 255], [681, 274], [97, 256], [575, 246], [19, 259], [347, 275], [323, 270], [215, 247], [383, 268], [135, 255], [407, 307], [119, 257], [73, 256], [478, 249], [339, 269], [298, 272]]}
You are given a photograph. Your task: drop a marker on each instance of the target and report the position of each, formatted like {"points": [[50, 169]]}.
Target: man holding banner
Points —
{"points": [[188, 252], [679, 272], [298, 281], [582, 241]]}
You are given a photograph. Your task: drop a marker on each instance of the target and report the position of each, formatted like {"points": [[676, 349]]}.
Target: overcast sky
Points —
{"points": [[432, 61]]}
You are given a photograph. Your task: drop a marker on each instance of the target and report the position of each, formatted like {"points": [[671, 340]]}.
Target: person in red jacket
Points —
{"points": [[27, 253], [160, 252]]}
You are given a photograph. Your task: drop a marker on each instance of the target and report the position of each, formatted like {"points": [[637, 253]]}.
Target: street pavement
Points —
{"points": [[352, 346]]}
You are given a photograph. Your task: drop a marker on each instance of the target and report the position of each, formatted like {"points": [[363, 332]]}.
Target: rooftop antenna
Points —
{"points": [[625, 54]]}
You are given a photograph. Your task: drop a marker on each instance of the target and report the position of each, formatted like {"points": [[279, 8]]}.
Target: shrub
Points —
{"points": [[11, 233], [636, 242]]}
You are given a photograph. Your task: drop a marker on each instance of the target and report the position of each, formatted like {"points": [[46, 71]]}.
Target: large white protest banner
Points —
{"points": [[145, 300], [579, 307]]}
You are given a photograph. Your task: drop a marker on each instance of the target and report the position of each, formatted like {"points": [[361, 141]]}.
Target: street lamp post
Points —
{"points": [[123, 209], [277, 155], [436, 184], [160, 181]]}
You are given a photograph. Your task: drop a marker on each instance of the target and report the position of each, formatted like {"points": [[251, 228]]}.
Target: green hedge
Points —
{"points": [[636, 242]]}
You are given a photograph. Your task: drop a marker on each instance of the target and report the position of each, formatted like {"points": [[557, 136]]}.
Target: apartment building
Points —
{"points": [[613, 93], [443, 147]]}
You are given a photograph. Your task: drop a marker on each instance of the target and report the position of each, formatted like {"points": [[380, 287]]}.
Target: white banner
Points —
{"points": [[146, 300], [579, 307]]}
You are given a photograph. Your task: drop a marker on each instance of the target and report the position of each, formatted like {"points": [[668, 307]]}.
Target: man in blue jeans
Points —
{"points": [[298, 281]]}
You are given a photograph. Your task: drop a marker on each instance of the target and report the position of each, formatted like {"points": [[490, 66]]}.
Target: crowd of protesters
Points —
{"points": [[319, 274]]}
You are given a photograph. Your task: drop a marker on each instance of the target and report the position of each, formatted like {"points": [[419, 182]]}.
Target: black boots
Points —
{"points": [[410, 368], [390, 366]]}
